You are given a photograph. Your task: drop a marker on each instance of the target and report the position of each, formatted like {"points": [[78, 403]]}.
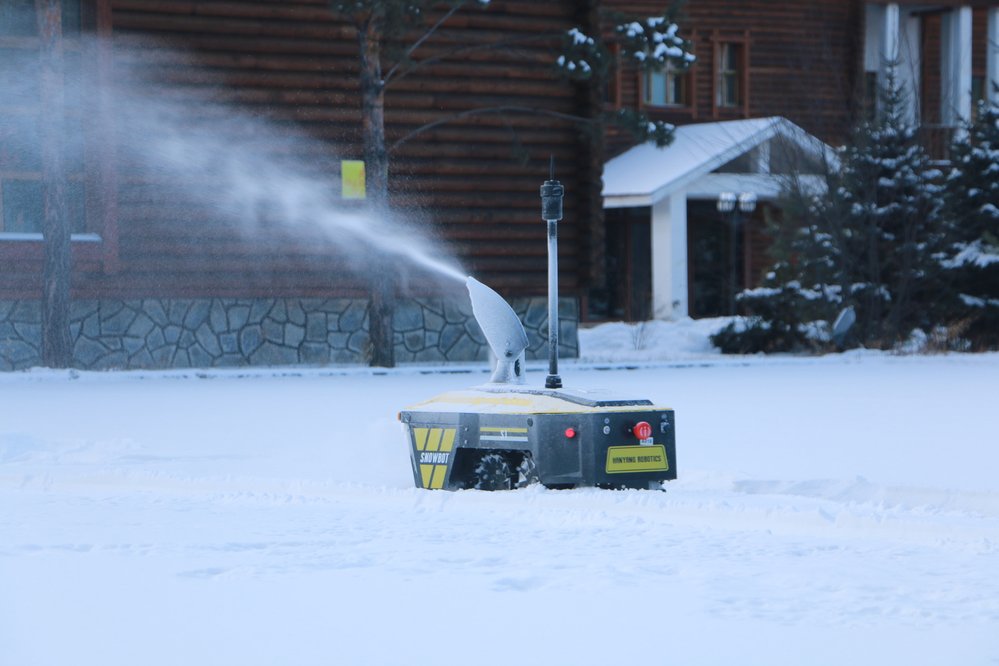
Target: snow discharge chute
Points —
{"points": [[503, 330]]}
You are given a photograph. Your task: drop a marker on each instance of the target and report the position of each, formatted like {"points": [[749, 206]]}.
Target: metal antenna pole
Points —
{"points": [[551, 211]]}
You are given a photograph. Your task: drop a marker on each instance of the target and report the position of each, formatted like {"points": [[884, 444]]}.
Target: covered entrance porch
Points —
{"points": [[671, 250]]}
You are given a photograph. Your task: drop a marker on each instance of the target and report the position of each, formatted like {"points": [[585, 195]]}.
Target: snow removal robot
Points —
{"points": [[505, 434]]}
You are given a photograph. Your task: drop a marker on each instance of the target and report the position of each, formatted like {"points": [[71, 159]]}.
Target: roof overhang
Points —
{"points": [[645, 174]]}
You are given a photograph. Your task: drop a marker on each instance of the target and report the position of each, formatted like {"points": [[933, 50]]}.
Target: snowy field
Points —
{"points": [[836, 510]]}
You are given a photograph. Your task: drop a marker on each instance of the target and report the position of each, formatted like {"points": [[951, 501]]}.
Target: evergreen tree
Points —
{"points": [[873, 241], [972, 196], [800, 293], [893, 237]]}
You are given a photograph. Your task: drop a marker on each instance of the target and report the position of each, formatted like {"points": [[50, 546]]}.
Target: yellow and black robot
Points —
{"points": [[505, 434]]}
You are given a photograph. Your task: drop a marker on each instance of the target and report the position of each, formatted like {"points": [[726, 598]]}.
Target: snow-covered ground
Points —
{"points": [[836, 510]]}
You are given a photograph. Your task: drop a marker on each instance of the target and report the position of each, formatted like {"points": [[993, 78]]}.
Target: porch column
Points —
{"points": [[669, 257], [956, 60], [992, 64], [899, 55], [889, 36]]}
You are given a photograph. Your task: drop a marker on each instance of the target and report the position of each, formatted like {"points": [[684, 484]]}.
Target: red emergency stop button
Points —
{"points": [[570, 432], [642, 430]]}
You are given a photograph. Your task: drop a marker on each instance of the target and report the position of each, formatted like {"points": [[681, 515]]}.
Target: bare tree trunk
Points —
{"points": [[57, 344], [591, 97], [380, 314], [373, 113], [900, 315], [875, 323]]}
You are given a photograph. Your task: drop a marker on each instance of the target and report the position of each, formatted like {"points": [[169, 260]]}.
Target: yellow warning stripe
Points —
{"points": [[490, 400], [426, 471], [507, 404], [432, 476], [420, 438], [434, 441], [437, 482], [447, 442]]}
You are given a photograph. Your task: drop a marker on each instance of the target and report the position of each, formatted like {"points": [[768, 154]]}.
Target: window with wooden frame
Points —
{"points": [[731, 79], [668, 87], [21, 109]]}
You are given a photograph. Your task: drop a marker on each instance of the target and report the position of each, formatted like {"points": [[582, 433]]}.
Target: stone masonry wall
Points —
{"points": [[185, 333]]}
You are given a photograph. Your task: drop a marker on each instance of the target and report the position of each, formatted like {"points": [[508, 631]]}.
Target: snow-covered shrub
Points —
{"points": [[784, 317]]}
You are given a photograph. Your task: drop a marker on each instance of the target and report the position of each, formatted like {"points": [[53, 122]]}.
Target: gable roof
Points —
{"points": [[646, 174]]}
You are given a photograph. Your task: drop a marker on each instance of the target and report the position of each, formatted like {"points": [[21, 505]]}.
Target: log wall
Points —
{"points": [[471, 184], [803, 61]]}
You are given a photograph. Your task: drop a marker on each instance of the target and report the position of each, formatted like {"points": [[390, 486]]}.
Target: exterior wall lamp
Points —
{"points": [[729, 201]]}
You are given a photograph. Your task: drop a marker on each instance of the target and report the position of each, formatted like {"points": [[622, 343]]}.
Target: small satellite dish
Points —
{"points": [[845, 320]]}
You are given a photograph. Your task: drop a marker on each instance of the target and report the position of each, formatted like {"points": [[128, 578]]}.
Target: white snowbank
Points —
{"points": [[831, 510], [619, 342]]}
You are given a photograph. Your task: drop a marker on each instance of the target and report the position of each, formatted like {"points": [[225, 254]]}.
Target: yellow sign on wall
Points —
{"points": [[352, 179]]}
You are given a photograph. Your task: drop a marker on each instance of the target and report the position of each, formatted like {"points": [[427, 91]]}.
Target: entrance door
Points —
{"points": [[715, 260], [629, 264], [725, 255]]}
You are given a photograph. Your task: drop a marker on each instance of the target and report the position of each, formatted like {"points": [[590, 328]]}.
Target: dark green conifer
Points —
{"points": [[972, 203], [874, 241]]}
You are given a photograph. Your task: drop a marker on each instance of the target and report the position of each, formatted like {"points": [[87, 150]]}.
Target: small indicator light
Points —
{"points": [[570, 432], [642, 430]]}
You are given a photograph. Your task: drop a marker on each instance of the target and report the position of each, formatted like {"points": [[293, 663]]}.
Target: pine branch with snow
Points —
{"points": [[642, 128], [653, 42], [581, 56]]}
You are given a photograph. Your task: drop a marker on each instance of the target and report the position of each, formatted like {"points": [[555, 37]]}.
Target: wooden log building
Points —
{"points": [[158, 271], [816, 64], [162, 277]]}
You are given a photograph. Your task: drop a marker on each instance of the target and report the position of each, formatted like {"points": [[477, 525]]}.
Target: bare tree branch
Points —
{"points": [[447, 55], [487, 111], [419, 42]]}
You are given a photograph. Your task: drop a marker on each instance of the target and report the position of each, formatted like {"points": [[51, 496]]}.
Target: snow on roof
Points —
{"points": [[646, 174]]}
